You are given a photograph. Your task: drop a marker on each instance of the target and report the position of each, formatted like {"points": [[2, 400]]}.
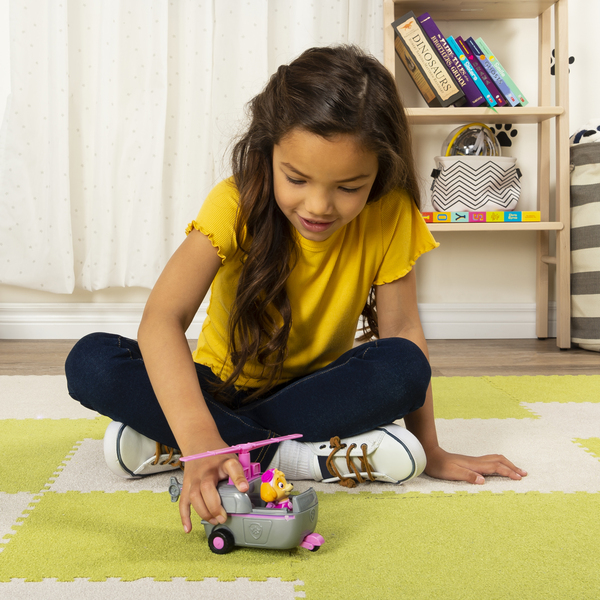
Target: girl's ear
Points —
{"points": [[267, 493]]}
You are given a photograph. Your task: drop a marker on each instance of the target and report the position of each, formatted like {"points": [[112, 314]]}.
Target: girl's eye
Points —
{"points": [[294, 181], [349, 190]]}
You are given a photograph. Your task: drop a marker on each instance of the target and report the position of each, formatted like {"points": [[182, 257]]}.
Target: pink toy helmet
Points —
{"points": [[268, 476]]}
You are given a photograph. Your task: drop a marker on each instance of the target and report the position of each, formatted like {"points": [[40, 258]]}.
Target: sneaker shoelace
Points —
{"points": [[336, 445], [162, 449]]}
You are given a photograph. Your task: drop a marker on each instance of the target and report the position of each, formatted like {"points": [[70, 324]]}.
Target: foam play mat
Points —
{"points": [[70, 528]]}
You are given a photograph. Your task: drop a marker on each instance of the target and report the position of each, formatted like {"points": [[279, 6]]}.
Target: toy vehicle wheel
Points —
{"points": [[221, 541], [314, 549]]}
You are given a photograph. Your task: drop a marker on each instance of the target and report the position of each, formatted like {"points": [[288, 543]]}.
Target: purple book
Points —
{"points": [[489, 84], [496, 77], [473, 96]]}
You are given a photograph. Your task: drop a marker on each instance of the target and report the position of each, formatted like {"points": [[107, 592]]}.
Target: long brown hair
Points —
{"points": [[325, 91]]}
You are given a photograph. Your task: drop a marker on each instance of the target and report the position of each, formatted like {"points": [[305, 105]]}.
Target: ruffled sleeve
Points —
{"points": [[405, 236], [216, 218]]}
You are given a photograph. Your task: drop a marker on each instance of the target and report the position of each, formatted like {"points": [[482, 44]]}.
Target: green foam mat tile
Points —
{"points": [[43, 444], [475, 398], [591, 445], [417, 546], [550, 388]]}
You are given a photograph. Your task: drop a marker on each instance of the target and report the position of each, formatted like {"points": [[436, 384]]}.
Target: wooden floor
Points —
{"points": [[448, 358]]}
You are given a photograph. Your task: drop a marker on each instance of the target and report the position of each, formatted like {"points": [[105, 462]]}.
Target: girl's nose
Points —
{"points": [[318, 203]]}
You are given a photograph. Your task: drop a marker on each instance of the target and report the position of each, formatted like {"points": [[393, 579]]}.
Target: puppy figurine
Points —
{"points": [[275, 490]]}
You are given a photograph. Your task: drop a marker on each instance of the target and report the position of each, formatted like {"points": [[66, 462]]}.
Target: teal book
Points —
{"points": [[502, 71], [471, 70]]}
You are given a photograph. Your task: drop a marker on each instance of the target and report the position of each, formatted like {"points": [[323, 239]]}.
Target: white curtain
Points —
{"points": [[119, 117]]}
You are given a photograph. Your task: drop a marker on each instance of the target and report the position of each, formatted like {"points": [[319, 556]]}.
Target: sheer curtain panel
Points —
{"points": [[119, 119]]}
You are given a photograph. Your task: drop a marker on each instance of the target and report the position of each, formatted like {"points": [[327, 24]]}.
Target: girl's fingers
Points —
{"points": [[208, 503], [496, 464], [185, 514], [234, 469]]}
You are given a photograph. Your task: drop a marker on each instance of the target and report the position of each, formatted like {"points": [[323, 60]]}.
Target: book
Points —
{"points": [[491, 71], [430, 74], [513, 216], [489, 84], [502, 71], [473, 95], [471, 70]]}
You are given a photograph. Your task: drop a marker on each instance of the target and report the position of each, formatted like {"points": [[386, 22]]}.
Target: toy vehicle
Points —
{"points": [[249, 521]]}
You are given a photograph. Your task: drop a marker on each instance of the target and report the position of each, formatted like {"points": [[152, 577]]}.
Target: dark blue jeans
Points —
{"points": [[368, 386]]}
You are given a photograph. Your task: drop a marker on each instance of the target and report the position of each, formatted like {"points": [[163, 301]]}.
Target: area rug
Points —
{"points": [[70, 529]]}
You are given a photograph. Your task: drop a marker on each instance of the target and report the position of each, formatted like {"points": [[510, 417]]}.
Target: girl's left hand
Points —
{"points": [[456, 467]]}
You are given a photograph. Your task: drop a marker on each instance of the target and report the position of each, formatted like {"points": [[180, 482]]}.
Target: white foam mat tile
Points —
{"points": [[573, 419], [542, 447], [86, 471], [148, 589], [11, 507], [553, 462], [39, 397]]}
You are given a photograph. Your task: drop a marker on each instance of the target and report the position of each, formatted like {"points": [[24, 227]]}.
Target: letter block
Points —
{"points": [[460, 217], [495, 216], [477, 217], [514, 216]]}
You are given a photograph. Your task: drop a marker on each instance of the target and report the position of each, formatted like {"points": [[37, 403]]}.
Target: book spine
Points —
{"points": [[422, 56], [418, 79], [470, 70], [473, 95], [494, 60], [489, 84], [491, 71]]}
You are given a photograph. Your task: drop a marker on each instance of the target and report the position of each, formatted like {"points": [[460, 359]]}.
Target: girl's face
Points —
{"points": [[321, 184]]}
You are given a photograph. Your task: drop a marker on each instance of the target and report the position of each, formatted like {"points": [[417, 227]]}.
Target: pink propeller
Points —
{"points": [[243, 450]]}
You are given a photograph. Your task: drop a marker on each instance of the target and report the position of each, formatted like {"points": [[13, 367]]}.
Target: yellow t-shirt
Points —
{"points": [[327, 288]]}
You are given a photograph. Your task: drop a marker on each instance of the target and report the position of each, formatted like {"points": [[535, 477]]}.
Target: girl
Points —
{"points": [[318, 225]]}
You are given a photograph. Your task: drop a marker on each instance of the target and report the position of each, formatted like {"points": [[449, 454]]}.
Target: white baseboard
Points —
{"points": [[482, 321], [29, 321], [71, 321]]}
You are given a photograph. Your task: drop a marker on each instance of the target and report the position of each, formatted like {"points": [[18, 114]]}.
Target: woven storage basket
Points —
{"points": [[475, 183]]}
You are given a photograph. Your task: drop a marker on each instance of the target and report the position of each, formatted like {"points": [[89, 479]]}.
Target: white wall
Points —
{"points": [[474, 285]]}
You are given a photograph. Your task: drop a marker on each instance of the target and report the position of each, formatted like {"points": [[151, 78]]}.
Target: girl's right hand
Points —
{"points": [[200, 479]]}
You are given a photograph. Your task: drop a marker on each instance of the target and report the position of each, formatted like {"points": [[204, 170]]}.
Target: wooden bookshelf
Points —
{"points": [[554, 222]]}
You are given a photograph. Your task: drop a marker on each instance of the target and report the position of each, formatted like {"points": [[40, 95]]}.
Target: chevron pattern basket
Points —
{"points": [[475, 183]]}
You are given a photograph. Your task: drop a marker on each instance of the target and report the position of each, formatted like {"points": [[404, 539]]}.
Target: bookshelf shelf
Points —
{"points": [[556, 217], [433, 116], [535, 226], [469, 10]]}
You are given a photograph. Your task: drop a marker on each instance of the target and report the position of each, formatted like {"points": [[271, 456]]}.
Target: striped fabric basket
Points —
{"points": [[585, 245]]}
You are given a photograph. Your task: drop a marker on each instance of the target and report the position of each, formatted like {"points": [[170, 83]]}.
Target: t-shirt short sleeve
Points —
{"points": [[404, 234], [216, 218]]}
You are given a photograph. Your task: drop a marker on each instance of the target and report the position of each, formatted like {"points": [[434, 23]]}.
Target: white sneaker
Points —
{"points": [[389, 453], [130, 454]]}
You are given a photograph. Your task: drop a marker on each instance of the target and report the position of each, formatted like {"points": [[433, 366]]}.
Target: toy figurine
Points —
{"points": [[275, 490], [254, 521]]}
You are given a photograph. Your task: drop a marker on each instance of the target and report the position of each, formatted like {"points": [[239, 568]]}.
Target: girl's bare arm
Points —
{"points": [[172, 304], [398, 316]]}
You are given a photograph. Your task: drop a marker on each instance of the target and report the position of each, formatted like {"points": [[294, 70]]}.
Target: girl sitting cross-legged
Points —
{"points": [[318, 226]]}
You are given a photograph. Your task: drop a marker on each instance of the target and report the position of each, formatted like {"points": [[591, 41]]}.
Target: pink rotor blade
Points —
{"points": [[242, 448]]}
